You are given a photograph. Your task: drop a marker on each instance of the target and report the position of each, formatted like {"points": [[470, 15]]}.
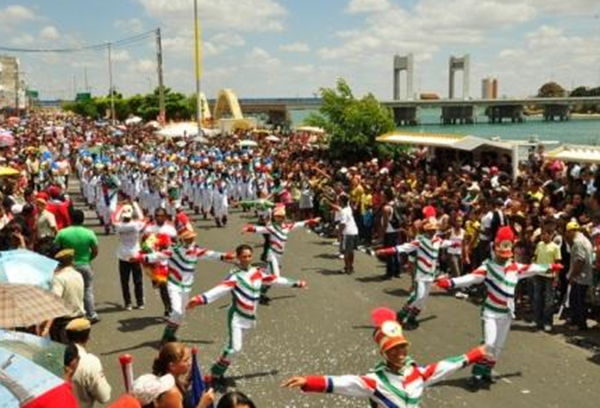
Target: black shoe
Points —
{"points": [[219, 384], [411, 325], [94, 320], [476, 383], [264, 300]]}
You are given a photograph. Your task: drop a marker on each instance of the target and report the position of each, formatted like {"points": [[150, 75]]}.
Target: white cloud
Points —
{"points": [[296, 47], [130, 26], [143, 66], [239, 15], [22, 40], [368, 6], [120, 55], [16, 14], [49, 33]]}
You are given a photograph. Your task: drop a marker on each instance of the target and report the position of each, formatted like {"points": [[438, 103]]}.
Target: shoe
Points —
{"points": [[140, 307], [94, 320], [476, 383], [461, 295], [548, 328], [341, 256], [264, 300], [128, 307], [167, 313], [411, 325]]}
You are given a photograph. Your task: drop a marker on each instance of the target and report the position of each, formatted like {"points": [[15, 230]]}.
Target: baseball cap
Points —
{"points": [[149, 387]]}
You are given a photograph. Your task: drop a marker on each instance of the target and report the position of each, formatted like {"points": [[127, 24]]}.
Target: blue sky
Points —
{"points": [[265, 48]]}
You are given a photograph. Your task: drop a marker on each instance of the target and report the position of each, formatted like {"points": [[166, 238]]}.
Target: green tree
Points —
{"points": [[551, 90], [353, 124]]}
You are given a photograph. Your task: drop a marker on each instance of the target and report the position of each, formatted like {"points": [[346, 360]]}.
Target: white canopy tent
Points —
{"points": [[576, 154]]}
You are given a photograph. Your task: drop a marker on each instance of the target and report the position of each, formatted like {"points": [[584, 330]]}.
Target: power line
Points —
{"points": [[93, 47]]}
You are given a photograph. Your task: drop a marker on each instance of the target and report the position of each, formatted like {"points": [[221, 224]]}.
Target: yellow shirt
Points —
{"points": [[472, 231], [547, 254], [356, 195], [365, 203]]}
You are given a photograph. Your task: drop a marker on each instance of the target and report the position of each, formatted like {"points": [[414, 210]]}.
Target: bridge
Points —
{"points": [[464, 110]]}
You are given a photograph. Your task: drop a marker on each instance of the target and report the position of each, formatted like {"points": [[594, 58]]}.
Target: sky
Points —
{"points": [[292, 48]]}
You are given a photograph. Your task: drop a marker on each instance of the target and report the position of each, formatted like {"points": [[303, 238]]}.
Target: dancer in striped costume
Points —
{"points": [[182, 260], [398, 382], [500, 275], [278, 232], [426, 248], [244, 283]]}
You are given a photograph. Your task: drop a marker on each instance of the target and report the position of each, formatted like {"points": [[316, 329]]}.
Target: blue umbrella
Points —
{"points": [[28, 267], [23, 383], [40, 350]]}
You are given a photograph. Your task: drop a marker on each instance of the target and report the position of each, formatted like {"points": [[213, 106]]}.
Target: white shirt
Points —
{"points": [[89, 382], [129, 234], [347, 220]]}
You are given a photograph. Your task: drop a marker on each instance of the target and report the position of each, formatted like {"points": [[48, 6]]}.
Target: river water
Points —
{"points": [[576, 131]]}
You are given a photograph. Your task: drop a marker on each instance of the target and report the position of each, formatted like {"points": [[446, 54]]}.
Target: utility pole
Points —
{"points": [[75, 86], [161, 86], [85, 79], [17, 79], [110, 80], [198, 67]]}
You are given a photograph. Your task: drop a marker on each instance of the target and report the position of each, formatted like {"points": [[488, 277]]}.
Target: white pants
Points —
{"points": [[495, 331], [237, 326], [420, 294], [179, 300], [273, 266]]}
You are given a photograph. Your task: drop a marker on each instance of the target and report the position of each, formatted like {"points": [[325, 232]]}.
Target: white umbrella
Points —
{"points": [[134, 120], [248, 143], [272, 138], [311, 129], [182, 129]]}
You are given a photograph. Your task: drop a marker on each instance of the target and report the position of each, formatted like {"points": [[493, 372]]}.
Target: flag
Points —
{"points": [[198, 386]]}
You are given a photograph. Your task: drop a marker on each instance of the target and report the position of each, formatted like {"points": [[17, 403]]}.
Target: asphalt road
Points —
{"points": [[325, 329]]}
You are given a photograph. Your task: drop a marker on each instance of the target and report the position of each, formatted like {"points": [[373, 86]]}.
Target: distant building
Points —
{"points": [[10, 83], [489, 88]]}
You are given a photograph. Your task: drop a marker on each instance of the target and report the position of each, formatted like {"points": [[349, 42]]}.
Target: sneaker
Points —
{"points": [[128, 307], [548, 328], [461, 295], [94, 320], [140, 307], [341, 256], [476, 383]]}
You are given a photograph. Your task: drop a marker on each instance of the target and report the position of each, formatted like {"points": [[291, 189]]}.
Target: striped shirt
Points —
{"points": [[426, 251], [244, 286], [388, 389], [278, 235], [501, 283]]}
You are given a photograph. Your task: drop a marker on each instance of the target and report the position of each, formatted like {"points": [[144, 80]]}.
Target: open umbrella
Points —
{"points": [[28, 305], [272, 138], [28, 267], [25, 384], [134, 120], [248, 143], [40, 350], [8, 172], [6, 139]]}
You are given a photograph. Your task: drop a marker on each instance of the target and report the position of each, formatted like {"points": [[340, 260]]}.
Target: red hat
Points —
{"points": [[503, 244], [54, 191], [42, 195], [429, 212], [388, 333]]}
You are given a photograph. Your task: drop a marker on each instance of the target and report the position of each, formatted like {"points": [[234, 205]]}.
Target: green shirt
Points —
{"points": [[79, 238]]}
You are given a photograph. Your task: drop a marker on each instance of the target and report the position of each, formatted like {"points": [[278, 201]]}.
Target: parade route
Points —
{"points": [[326, 330]]}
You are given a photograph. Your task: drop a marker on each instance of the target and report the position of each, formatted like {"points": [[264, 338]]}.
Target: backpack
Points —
{"points": [[396, 219]]}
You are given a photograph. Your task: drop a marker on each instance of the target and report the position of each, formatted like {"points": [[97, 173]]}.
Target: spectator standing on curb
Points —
{"points": [[85, 243], [89, 383], [579, 276]]}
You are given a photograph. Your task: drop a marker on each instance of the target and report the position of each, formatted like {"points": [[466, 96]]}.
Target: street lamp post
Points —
{"points": [[198, 67]]}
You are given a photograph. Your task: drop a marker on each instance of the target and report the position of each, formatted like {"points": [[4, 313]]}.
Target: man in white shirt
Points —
{"points": [[129, 232], [349, 233]]}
